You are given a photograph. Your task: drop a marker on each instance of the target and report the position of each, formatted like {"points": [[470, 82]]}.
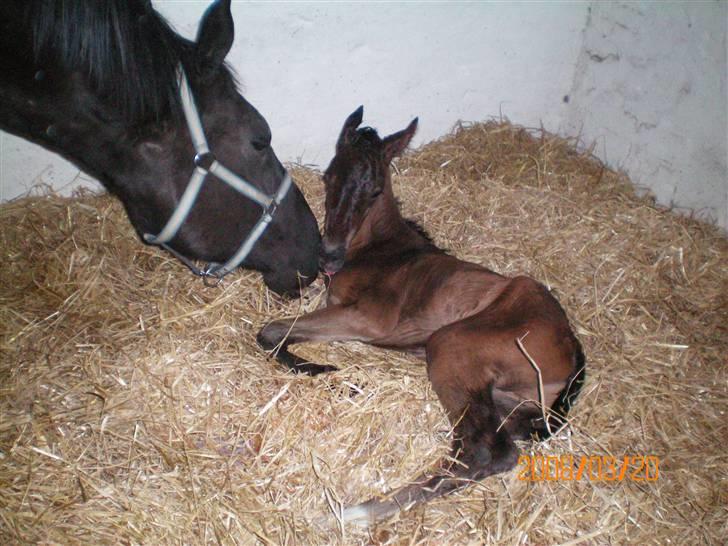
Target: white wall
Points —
{"points": [[650, 88], [306, 65]]}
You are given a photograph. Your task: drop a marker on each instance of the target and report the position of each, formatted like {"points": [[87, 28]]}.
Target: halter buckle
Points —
{"points": [[210, 276], [270, 210], [205, 160]]}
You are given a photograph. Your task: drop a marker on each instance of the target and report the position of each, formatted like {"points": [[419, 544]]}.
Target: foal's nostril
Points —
{"points": [[331, 258], [322, 261]]}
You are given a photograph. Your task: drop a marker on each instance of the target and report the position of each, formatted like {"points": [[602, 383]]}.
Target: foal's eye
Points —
{"points": [[376, 193]]}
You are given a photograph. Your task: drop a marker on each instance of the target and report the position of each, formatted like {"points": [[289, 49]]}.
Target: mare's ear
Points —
{"points": [[215, 36], [349, 128], [395, 144]]}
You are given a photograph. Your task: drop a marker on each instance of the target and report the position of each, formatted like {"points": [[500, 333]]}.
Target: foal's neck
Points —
{"points": [[383, 227]]}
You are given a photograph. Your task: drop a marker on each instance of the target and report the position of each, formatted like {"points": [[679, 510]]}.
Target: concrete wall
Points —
{"points": [[650, 88], [647, 81]]}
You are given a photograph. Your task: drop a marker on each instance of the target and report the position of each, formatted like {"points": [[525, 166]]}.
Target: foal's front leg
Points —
{"points": [[334, 323]]}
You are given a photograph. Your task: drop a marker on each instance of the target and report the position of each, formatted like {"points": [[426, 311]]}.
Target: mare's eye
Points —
{"points": [[261, 143]]}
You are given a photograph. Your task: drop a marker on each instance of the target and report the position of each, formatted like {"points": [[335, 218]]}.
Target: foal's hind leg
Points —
{"points": [[464, 380], [481, 446], [490, 390]]}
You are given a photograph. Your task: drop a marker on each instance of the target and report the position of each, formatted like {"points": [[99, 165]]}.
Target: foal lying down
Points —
{"points": [[499, 351]]}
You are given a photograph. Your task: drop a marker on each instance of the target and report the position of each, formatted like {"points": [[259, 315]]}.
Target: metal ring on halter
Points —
{"points": [[271, 209], [205, 160], [210, 272]]}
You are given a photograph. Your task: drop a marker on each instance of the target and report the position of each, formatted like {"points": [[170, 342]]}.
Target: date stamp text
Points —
{"points": [[604, 468]]}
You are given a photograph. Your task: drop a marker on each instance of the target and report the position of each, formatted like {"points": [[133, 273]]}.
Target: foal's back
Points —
{"points": [[426, 298], [424, 289]]}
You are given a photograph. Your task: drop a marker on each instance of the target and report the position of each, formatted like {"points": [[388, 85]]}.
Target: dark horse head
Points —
{"points": [[96, 82]]}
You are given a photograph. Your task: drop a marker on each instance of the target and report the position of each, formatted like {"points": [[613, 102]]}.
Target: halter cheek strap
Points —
{"points": [[206, 163]]}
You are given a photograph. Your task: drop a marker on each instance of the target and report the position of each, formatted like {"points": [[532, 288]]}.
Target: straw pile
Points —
{"points": [[136, 407]]}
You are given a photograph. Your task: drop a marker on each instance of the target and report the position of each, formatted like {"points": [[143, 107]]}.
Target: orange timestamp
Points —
{"points": [[605, 468]]}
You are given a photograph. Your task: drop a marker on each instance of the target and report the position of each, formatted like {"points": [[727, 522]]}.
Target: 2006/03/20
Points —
{"points": [[640, 468]]}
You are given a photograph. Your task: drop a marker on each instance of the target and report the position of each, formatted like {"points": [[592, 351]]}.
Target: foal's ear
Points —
{"points": [[395, 144], [215, 36], [349, 128]]}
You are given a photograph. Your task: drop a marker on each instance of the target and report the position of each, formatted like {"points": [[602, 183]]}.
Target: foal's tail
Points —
{"points": [[561, 406], [480, 449], [422, 490]]}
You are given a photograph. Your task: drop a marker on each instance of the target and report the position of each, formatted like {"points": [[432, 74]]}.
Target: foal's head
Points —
{"points": [[357, 181]]}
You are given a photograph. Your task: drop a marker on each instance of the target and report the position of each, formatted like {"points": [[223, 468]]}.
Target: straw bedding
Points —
{"points": [[136, 407]]}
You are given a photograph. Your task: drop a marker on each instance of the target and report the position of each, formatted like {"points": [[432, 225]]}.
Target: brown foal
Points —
{"points": [[500, 353]]}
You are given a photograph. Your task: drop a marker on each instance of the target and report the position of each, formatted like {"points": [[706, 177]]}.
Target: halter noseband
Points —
{"points": [[206, 163]]}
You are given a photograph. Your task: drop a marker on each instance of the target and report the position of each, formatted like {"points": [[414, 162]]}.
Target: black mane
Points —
{"points": [[127, 51], [420, 230]]}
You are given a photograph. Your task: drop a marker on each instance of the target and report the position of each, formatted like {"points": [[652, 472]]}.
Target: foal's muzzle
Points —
{"points": [[331, 259]]}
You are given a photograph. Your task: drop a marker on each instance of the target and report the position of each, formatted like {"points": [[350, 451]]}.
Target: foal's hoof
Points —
{"points": [[265, 340], [309, 368]]}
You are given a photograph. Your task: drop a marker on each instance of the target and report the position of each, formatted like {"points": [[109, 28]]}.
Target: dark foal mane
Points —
{"points": [[128, 52], [420, 231], [366, 140]]}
